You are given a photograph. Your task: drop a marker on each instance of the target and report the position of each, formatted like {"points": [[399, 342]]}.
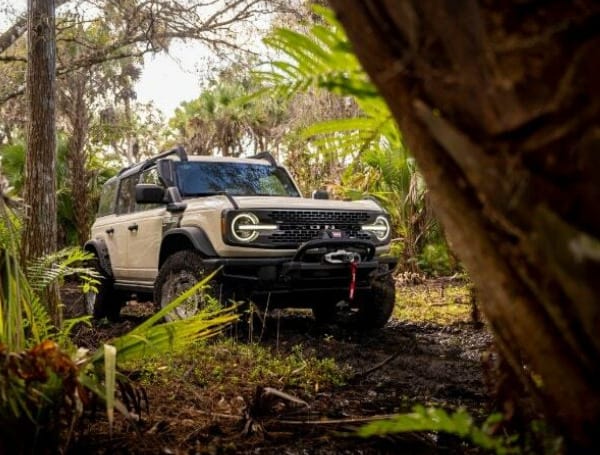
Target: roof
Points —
{"points": [[264, 158]]}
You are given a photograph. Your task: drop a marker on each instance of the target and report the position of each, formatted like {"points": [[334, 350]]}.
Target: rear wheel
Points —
{"points": [[180, 272], [105, 303]]}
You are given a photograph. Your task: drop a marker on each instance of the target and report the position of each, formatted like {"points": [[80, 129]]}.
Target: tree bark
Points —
{"points": [[75, 107], [499, 103], [39, 236]]}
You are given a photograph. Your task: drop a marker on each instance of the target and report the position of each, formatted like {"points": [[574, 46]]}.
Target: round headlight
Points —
{"points": [[380, 228], [243, 227]]}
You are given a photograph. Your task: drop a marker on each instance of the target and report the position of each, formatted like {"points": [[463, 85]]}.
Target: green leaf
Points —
{"points": [[459, 423], [110, 371]]}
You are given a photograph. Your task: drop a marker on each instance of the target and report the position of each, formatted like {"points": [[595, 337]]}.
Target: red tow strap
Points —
{"points": [[353, 267]]}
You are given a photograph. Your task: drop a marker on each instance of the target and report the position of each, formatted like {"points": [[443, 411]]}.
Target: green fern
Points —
{"points": [[459, 423], [37, 319], [54, 267]]}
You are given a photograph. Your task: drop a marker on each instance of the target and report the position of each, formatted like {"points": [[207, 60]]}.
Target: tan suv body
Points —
{"points": [[165, 223]]}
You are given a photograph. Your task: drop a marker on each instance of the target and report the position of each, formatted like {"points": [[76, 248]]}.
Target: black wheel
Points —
{"points": [[106, 302], [375, 307], [179, 273]]}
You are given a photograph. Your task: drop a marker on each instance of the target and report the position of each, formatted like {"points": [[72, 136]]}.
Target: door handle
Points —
{"points": [[110, 231], [133, 227]]}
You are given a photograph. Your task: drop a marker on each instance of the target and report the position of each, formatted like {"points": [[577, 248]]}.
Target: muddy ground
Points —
{"points": [[388, 371]]}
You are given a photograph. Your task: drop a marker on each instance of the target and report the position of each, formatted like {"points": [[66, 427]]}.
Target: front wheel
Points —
{"points": [[375, 307], [180, 272]]}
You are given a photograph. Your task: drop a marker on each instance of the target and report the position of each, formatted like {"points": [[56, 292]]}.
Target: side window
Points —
{"points": [[126, 199], [106, 205], [148, 176]]}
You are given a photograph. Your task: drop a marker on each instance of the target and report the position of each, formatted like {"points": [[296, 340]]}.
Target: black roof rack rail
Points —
{"points": [[265, 156], [179, 151]]}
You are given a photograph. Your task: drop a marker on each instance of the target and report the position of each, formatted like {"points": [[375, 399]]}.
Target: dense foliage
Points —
{"points": [[45, 381]]}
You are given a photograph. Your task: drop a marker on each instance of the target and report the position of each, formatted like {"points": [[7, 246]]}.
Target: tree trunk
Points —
{"points": [[39, 235], [499, 103], [75, 107]]}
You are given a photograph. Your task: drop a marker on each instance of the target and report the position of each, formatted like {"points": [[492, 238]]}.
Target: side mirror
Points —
{"points": [[149, 193], [175, 203], [320, 194]]}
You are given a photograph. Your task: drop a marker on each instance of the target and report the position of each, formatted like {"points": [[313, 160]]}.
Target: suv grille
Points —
{"points": [[299, 226]]}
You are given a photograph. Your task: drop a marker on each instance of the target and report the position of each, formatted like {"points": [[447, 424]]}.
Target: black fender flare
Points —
{"points": [[99, 248], [194, 236]]}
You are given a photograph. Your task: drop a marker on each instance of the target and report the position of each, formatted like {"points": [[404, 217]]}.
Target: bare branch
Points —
{"points": [[17, 30], [149, 27]]}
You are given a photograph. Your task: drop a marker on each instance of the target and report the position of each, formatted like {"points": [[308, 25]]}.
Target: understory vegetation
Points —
{"points": [[46, 380], [289, 378]]}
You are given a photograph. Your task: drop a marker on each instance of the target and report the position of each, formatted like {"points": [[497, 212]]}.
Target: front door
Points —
{"points": [[145, 235]]}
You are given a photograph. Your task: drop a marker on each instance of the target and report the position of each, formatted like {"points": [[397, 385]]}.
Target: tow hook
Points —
{"points": [[351, 258], [342, 257]]}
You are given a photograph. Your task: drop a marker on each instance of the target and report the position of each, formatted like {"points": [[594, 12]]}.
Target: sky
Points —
{"points": [[166, 79], [169, 79]]}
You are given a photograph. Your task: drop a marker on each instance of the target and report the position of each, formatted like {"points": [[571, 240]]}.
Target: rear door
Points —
{"points": [[121, 227]]}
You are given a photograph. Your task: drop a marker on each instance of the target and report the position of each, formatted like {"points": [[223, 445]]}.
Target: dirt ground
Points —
{"points": [[388, 371]]}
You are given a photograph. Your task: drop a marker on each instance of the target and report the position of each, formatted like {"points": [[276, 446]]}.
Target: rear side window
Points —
{"points": [[126, 199], [149, 176], [107, 198]]}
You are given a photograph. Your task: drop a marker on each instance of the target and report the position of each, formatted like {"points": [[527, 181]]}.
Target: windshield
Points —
{"points": [[195, 178]]}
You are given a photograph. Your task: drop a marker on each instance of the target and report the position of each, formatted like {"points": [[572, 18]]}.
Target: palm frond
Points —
{"points": [[323, 58], [150, 336], [23, 320]]}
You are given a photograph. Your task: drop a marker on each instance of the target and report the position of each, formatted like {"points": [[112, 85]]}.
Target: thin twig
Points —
{"points": [[376, 367], [349, 421]]}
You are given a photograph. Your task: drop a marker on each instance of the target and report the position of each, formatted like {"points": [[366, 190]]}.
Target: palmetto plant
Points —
{"points": [[217, 122], [45, 381], [368, 146]]}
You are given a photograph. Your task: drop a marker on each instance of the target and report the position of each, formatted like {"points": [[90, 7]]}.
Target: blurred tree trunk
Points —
{"points": [[39, 235], [77, 115], [499, 102]]}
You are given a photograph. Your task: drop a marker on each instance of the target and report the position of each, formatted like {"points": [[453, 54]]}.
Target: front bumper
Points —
{"points": [[307, 272]]}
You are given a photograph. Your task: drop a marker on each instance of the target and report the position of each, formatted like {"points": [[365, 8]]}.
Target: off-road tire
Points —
{"points": [[179, 272], [106, 303], [375, 307]]}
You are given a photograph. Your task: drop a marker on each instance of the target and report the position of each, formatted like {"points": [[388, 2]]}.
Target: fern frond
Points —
{"points": [[459, 423], [63, 336], [54, 267], [38, 321]]}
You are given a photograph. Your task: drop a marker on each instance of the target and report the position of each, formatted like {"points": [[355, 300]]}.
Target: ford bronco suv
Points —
{"points": [[164, 224]]}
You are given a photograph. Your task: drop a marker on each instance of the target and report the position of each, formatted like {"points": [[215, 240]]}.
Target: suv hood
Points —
{"points": [[291, 203]]}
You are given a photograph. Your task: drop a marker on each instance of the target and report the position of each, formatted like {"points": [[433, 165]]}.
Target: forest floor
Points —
{"points": [[297, 387]]}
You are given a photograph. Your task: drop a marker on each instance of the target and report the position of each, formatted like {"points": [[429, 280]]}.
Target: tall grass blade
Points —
{"points": [[110, 382]]}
